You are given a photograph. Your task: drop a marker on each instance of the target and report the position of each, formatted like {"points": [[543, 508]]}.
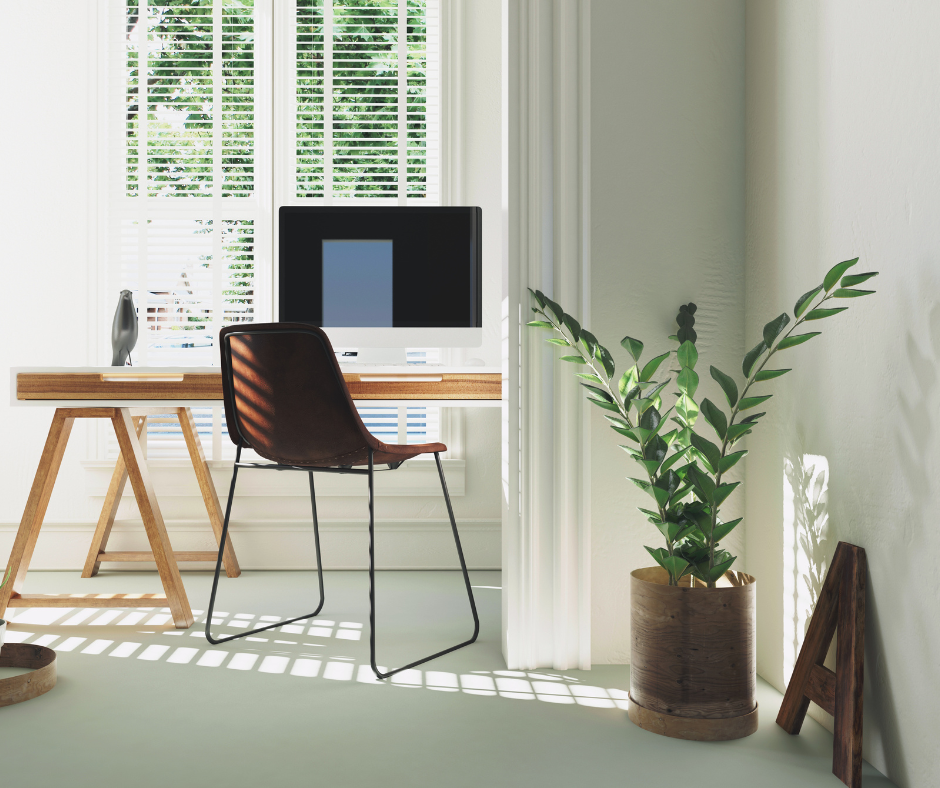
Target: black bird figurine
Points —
{"points": [[123, 330]]}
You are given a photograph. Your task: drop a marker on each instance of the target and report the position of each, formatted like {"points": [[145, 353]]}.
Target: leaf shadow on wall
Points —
{"points": [[807, 545]]}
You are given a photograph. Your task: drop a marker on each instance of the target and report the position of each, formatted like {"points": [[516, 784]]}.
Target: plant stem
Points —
{"points": [[734, 412]]}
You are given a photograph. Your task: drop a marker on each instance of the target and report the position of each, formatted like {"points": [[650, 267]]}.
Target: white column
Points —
{"points": [[546, 151]]}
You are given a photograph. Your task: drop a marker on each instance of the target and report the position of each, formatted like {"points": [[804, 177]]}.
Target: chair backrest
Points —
{"points": [[285, 396]]}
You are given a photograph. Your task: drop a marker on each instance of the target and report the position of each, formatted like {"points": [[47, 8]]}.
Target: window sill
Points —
{"points": [[416, 478]]}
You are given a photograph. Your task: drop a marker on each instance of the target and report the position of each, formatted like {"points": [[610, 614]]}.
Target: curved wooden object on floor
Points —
{"points": [[30, 685], [693, 728], [693, 656]]}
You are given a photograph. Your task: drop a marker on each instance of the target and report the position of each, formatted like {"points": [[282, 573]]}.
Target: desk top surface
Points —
{"points": [[202, 386]]}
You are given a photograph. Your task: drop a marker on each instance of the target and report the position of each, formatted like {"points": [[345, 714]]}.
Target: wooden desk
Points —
{"points": [[126, 396]]}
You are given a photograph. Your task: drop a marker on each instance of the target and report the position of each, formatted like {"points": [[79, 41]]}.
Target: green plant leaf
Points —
{"points": [[718, 570], [796, 339], [651, 465], [856, 279], [628, 432], [662, 423], [650, 419], [716, 417], [657, 552], [606, 360], [589, 376], [730, 460], [687, 355], [670, 461], [803, 302], [633, 346], [750, 402], [539, 324], [769, 374], [687, 381], [539, 297], [722, 491], [752, 419], [645, 486], [556, 341], [632, 452], [707, 449], [751, 358], [604, 404], [774, 327], [598, 391], [654, 393], [727, 385], [630, 396], [627, 380], [835, 273], [844, 292], [704, 486], [573, 326], [589, 341], [736, 431], [573, 359], [819, 314], [675, 565], [651, 366], [721, 530], [687, 410], [556, 310], [656, 448]]}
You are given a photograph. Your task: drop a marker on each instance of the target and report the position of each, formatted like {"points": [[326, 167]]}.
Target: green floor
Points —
{"points": [[141, 704]]}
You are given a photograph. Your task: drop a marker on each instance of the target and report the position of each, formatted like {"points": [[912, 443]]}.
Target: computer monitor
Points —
{"points": [[383, 277]]}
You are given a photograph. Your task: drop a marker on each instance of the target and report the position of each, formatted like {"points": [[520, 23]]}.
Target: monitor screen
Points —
{"points": [[357, 283], [380, 267]]}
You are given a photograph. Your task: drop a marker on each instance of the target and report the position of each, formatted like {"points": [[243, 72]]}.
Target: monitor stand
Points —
{"points": [[385, 356]]}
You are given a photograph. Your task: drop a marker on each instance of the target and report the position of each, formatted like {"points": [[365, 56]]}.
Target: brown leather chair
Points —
{"points": [[286, 399]]}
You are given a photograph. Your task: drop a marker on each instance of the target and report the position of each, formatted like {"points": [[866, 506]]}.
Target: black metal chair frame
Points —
{"points": [[370, 472]]}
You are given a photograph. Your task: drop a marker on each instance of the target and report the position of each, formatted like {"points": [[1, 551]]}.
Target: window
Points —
{"points": [[193, 111], [365, 109]]}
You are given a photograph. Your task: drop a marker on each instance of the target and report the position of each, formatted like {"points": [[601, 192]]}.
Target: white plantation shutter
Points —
{"points": [[186, 225], [367, 100]]}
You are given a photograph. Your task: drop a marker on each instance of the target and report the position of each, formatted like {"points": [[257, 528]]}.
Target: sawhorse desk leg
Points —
{"points": [[162, 553], [99, 543]]}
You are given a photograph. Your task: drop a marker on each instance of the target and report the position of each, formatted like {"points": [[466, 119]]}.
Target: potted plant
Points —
{"points": [[693, 671]]}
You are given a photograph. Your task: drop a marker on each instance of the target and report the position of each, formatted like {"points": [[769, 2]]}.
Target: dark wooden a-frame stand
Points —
{"points": [[841, 604]]}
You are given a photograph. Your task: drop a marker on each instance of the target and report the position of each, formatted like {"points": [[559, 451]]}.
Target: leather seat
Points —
{"points": [[286, 399]]}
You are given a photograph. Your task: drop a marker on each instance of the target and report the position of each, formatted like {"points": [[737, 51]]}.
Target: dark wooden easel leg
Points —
{"points": [[850, 660], [842, 603]]}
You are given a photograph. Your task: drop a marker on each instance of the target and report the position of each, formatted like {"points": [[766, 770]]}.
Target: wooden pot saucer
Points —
{"points": [[30, 685]]}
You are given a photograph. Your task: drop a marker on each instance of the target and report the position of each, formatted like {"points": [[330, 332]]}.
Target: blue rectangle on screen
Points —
{"points": [[357, 283]]}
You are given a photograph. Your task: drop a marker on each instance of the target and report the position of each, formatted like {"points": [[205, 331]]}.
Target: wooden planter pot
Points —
{"points": [[693, 672]]}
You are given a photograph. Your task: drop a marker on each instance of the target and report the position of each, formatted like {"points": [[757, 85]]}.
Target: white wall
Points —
{"points": [[667, 150], [47, 221], [843, 119]]}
